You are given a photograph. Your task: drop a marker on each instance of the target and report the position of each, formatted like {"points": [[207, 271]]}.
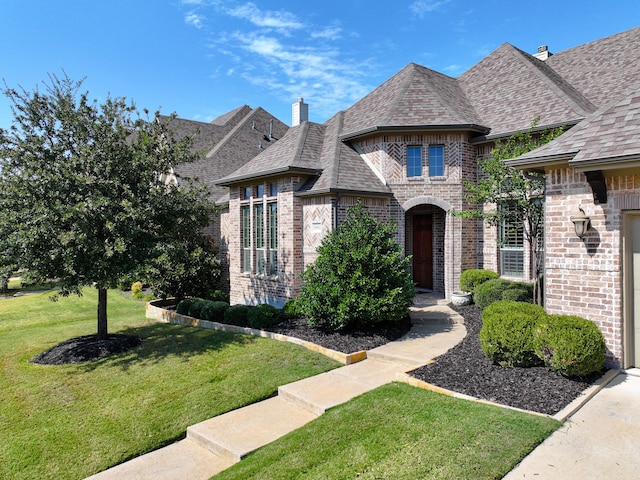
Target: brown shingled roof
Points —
{"points": [[414, 97], [509, 89], [602, 69], [227, 143], [609, 138]]}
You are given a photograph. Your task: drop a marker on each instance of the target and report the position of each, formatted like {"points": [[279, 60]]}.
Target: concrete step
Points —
{"points": [[434, 314], [239, 432], [178, 461], [423, 343], [318, 394]]}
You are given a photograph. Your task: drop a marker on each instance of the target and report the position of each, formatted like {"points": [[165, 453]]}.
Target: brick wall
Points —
{"points": [[584, 277]]}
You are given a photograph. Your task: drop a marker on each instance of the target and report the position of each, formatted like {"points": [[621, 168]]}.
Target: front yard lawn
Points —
{"points": [[68, 422], [400, 432]]}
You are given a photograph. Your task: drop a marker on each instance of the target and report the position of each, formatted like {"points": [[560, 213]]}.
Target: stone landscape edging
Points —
{"points": [[155, 311]]}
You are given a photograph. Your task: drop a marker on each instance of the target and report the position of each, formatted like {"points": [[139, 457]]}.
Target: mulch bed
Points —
{"points": [[86, 348], [465, 369], [346, 342]]}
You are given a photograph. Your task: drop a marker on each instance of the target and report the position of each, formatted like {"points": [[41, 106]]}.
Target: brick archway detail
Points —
{"points": [[424, 200]]}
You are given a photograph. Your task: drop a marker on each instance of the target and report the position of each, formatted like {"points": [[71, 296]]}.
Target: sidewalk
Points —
{"points": [[214, 445], [600, 441]]}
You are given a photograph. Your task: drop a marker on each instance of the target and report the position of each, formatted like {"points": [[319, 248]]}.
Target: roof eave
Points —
{"points": [[537, 129], [541, 163], [332, 190], [288, 170], [622, 162], [407, 128]]}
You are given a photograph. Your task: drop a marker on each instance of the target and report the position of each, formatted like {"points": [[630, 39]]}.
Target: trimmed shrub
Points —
{"points": [[490, 291], [360, 278], [517, 294], [290, 309], [213, 311], [472, 278], [263, 316], [236, 315], [184, 305], [196, 308], [495, 289], [571, 346], [507, 333]]}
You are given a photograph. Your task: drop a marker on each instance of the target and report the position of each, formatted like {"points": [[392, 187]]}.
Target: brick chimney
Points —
{"points": [[299, 112], [543, 53]]}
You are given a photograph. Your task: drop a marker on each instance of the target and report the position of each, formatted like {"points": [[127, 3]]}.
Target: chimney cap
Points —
{"points": [[543, 48]]}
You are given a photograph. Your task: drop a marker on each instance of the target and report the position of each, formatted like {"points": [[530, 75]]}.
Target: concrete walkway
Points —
{"points": [[600, 441], [214, 445]]}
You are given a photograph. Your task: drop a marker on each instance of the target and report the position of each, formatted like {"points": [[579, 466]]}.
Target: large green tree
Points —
{"points": [[505, 195], [82, 196]]}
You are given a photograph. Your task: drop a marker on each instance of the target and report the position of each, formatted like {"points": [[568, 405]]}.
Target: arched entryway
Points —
{"points": [[425, 233]]}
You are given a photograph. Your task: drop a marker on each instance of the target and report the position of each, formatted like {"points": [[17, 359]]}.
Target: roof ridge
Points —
{"points": [[337, 147], [401, 92], [539, 68], [304, 126], [233, 132]]}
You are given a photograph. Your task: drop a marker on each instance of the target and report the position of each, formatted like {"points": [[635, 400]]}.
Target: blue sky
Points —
{"points": [[202, 58]]}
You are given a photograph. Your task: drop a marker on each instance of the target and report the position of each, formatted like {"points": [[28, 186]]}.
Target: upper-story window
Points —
{"points": [[436, 161], [414, 161]]}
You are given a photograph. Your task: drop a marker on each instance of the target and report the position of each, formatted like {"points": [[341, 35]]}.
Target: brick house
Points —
{"points": [[404, 151]]}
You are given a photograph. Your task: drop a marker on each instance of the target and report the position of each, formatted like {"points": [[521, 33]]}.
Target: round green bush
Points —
{"points": [[290, 309], [571, 346], [490, 291], [213, 311], [184, 305], [517, 294], [195, 309], [472, 278], [236, 315], [263, 316], [507, 333]]}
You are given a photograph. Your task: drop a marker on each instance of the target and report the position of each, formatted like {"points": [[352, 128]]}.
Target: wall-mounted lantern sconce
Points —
{"points": [[581, 223]]}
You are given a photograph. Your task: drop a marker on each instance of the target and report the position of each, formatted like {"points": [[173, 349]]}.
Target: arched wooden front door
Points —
{"points": [[423, 251]]}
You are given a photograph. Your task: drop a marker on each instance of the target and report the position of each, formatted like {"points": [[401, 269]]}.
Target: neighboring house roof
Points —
{"points": [[228, 142], [510, 88], [610, 138], [415, 97]]}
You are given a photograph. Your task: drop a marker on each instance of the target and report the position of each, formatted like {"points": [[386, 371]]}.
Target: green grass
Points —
{"points": [[68, 422], [400, 432]]}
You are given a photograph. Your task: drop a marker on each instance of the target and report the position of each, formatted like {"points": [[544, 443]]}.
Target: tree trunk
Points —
{"points": [[102, 313]]}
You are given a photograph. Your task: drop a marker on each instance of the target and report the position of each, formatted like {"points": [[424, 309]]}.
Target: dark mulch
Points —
{"points": [[465, 369], [87, 348], [346, 342]]}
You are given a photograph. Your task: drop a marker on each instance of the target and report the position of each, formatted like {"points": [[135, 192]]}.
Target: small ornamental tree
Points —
{"points": [[501, 185], [360, 277], [82, 198]]}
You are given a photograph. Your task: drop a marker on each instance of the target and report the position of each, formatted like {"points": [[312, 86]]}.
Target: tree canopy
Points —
{"points": [[82, 195]]}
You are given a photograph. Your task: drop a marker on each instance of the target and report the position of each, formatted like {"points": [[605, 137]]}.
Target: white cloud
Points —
{"points": [[420, 7], [250, 11], [194, 19], [328, 33]]}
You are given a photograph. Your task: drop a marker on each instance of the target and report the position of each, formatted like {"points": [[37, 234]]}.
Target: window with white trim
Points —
{"points": [[259, 229], [436, 161], [511, 243]]}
